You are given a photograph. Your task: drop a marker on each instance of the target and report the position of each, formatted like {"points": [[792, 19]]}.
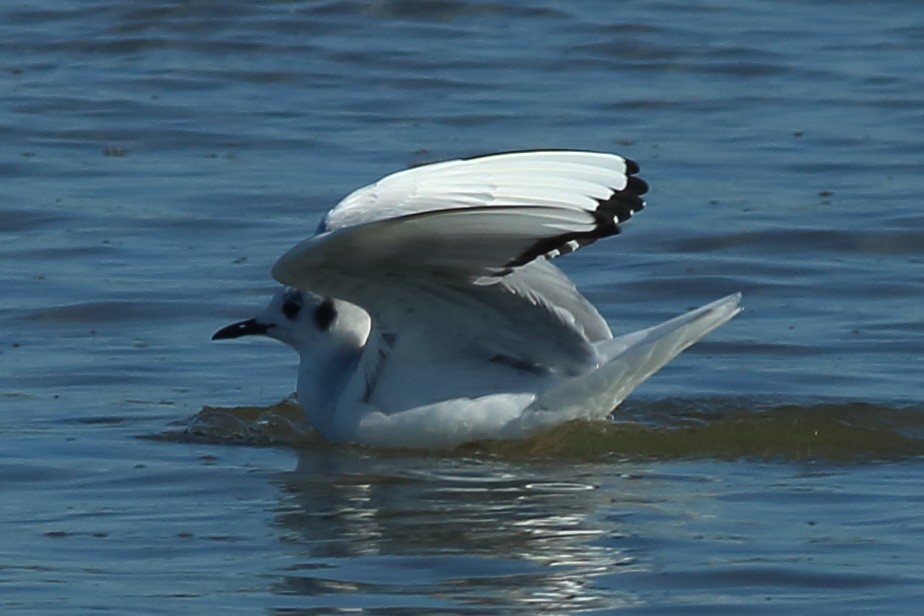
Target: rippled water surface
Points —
{"points": [[155, 158]]}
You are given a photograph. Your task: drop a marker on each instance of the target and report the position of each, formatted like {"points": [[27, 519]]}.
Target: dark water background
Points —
{"points": [[156, 157]]}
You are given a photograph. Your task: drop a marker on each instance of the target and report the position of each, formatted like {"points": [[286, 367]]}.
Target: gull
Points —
{"points": [[427, 313]]}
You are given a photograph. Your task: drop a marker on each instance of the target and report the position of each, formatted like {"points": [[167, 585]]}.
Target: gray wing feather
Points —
{"points": [[544, 285]]}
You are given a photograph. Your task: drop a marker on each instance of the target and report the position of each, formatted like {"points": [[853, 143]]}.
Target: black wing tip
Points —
{"points": [[617, 208], [623, 203], [631, 166], [564, 244], [636, 185]]}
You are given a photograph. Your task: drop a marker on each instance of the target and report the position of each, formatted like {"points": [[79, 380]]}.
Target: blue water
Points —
{"points": [[156, 158]]}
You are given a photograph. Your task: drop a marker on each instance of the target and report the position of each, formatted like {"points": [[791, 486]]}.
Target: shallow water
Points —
{"points": [[158, 158]]}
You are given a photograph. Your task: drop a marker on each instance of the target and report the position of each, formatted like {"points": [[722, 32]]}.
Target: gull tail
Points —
{"points": [[628, 361]]}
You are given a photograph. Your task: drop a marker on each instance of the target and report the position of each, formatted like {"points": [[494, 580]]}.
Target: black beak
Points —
{"points": [[250, 327]]}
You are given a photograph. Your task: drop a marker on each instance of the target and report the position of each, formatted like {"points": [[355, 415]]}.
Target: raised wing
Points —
{"points": [[601, 186], [445, 245]]}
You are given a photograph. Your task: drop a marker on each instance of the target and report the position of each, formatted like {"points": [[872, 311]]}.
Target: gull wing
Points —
{"points": [[542, 284], [444, 248], [560, 178]]}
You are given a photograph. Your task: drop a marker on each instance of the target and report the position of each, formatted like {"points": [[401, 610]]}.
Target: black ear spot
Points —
{"points": [[325, 314]]}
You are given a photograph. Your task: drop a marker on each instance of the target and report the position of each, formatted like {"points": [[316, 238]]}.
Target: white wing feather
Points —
{"points": [[567, 179]]}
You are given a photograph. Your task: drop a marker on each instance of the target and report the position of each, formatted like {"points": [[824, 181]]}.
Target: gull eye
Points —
{"points": [[291, 309], [325, 314]]}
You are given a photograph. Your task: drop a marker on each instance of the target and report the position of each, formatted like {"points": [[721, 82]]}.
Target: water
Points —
{"points": [[157, 158]]}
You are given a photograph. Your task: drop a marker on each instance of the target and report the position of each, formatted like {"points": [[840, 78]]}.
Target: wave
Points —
{"points": [[839, 432]]}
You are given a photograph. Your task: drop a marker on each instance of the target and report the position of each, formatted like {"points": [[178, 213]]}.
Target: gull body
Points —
{"points": [[427, 313]]}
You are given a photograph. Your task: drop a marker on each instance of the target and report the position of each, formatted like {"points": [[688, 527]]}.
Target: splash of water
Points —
{"points": [[674, 429]]}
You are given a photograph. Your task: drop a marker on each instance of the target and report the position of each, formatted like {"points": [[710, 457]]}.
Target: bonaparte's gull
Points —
{"points": [[426, 310]]}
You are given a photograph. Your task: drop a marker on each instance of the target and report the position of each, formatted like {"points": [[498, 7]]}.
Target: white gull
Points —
{"points": [[427, 313]]}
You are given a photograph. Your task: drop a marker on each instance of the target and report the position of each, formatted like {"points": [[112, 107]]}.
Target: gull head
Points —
{"points": [[305, 321]]}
